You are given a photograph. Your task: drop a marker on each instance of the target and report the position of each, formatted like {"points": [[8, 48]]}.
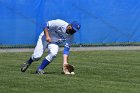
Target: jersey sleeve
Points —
{"points": [[50, 24], [45, 25], [68, 45], [54, 24]]}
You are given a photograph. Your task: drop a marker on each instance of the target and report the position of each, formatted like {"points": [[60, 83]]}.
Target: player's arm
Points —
{"points": [[53, 24], [67, 68], [65, 59], [45, 28], [48, 39], [66, 53]]}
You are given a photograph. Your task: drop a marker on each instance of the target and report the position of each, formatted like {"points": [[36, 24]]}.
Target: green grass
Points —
{"points": [[96, 72]]}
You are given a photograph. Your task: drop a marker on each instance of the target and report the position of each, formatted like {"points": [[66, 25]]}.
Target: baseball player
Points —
{"points": [[55, 32]]}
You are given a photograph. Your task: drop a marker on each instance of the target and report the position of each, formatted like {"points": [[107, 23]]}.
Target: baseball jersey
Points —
{"points": [[57, 31]]}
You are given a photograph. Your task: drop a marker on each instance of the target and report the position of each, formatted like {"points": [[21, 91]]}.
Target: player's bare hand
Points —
{"points": [[48, 39]]}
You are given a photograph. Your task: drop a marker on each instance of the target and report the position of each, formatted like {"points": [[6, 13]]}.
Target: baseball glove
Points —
{"points": [[68, 69]]}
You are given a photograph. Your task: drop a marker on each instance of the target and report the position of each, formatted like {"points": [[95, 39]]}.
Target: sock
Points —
{"points": [[44, 63], [30, 61]]}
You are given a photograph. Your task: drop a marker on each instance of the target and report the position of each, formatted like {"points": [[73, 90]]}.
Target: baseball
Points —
{"points": [[72, 73]]}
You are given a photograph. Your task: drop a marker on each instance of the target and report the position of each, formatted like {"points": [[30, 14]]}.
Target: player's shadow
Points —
{"points": [[48, 73]]}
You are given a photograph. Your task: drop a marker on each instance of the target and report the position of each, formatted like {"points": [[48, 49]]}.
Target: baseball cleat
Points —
{"points": [[40, 72], [24, 67]]}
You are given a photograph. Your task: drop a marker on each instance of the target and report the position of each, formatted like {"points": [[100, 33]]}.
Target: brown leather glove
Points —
{"points": [[68, 69]]}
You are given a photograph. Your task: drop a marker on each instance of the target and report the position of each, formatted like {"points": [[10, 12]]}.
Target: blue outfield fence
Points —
{"points": [[103, 21]]}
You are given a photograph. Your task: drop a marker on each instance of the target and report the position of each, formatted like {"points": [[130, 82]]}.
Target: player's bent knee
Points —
{"points": [[36, 59], [51, 56]]}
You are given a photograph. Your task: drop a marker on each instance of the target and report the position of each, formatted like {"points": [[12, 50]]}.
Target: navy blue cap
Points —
{"points": [[75, 25]]}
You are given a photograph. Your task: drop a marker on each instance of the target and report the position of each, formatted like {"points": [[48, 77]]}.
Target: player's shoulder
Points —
{"points": [[59, 21]]}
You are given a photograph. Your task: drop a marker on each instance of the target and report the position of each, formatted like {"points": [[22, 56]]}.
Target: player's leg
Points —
{"points": [[38, 52], [53, 50]]}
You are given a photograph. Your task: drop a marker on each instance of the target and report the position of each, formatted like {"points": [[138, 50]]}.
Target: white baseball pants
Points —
{"points": [[41, 46]]}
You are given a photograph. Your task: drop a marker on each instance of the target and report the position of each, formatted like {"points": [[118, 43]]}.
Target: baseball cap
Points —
{"points": [[75, 25]]}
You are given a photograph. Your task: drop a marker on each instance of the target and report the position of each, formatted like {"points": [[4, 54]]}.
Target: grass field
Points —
{"points": [[96, 72]]}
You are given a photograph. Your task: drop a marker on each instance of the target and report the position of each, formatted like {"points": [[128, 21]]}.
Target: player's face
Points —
{"points": [[70, 30]]}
